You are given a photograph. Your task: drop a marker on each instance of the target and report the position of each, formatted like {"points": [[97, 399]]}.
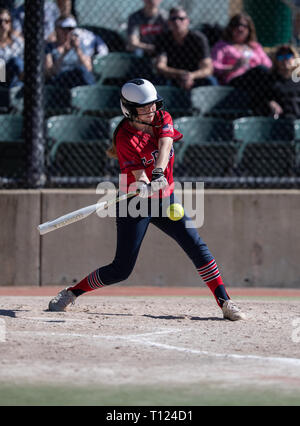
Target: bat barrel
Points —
{"points": [[77, 215], [61, 221]]}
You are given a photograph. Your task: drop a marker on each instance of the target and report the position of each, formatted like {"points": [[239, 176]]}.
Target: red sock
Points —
{"points": [[212, 278], [89, 283]]}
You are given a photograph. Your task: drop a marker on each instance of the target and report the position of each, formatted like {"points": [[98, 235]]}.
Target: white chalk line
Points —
{"points": [[141, 339], [52, 319], [292, 361]]}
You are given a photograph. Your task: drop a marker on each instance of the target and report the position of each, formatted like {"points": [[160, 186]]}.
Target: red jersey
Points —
{"points": [[137, 150]]}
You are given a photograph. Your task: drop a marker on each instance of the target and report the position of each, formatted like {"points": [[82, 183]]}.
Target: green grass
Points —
{"points": [[194, 395]]}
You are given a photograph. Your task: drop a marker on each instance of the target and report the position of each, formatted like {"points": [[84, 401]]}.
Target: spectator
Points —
{"points": [[67, 62], [51, 12], [183, 56], [238, 51], [65, 7], [144, 25], [11, 51], [281, 90], [93, 44]]}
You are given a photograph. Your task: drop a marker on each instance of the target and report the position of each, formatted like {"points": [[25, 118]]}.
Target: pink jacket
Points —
{"points": [[224, 54]]}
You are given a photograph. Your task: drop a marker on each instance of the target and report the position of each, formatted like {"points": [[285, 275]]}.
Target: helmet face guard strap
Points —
{"points": [[157, 122]]}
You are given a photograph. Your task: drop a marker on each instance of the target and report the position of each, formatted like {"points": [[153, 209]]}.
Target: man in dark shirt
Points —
{"points": [[144, 25], [183, 55]]}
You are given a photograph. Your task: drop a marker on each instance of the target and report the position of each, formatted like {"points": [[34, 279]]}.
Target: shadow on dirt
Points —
{"points": [[176, 317], [11, 312]]}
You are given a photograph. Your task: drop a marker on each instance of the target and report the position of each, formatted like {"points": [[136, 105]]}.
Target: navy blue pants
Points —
{"points": [[131, 232]]}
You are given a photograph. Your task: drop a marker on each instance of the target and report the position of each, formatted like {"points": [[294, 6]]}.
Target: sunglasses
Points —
{"points": [[238, 24], [67, 29], [178, 18], [5, 21], [284, 56]]}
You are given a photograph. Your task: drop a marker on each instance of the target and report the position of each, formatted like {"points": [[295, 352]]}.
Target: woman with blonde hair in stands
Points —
{"points": [[11, 50]]}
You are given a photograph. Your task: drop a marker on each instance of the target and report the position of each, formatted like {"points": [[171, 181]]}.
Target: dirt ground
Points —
{"points": [[175, 340]]}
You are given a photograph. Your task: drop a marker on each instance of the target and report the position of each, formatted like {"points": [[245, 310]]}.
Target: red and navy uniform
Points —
{"points": [[138, 150]]}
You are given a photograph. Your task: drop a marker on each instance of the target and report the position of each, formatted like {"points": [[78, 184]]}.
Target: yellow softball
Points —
{"points": [[175, 211]]}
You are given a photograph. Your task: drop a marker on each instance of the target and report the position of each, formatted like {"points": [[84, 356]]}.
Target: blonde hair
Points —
{"points": [[111, 152]]}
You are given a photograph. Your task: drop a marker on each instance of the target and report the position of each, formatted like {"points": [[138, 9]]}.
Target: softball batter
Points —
{"points": [[143, 145]]}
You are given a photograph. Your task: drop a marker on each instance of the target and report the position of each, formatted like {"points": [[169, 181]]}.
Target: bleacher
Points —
{"points": [[223, 137]]}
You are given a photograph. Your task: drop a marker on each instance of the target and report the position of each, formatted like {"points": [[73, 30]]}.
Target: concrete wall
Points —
{"points": [[254, 236], [19, 240]]}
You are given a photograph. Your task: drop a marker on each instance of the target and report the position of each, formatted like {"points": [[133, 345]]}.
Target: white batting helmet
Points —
{"points": [[138, 93]]}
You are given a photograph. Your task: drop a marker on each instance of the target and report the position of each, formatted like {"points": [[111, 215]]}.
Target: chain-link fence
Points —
{"points": [[228, 71]]}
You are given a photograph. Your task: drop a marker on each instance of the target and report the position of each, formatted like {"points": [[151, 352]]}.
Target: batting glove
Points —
{"points": [[158, 180], [143, 189]]}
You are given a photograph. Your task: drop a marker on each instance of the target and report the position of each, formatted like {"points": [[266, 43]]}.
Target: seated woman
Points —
{"points": [[67, 62], [11, 51], [282, 87], [238, 52]]}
